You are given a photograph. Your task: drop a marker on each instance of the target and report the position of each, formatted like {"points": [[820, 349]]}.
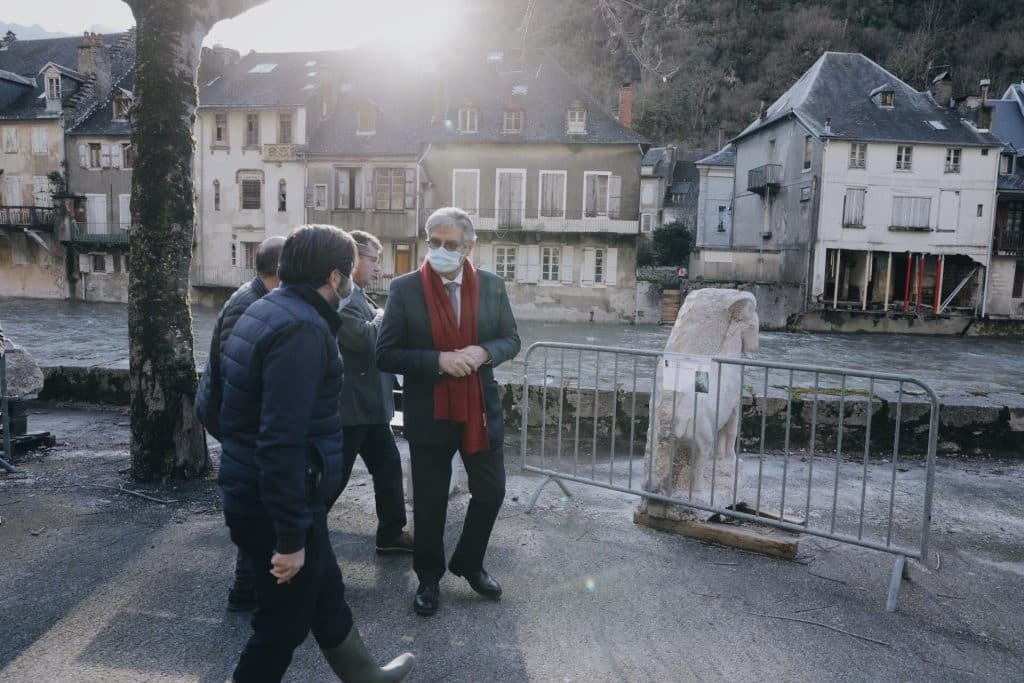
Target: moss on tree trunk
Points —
{"points": [[167, 439]]}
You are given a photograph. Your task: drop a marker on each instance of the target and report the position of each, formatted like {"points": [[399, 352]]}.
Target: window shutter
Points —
{"points": [[309, 196], [587, 276], [108, 263], [124, 202], [611, 266], [614, 199], [566, 265], [532, 264], [83, 156], [369, 200], [410, 188], [356, 200], [522, 265], [342, 184], [85, 263], [104, 155], [115, 156], [485, 257]]}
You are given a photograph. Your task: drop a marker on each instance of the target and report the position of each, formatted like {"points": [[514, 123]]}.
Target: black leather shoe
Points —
{"points": [[428, 597], [480, 581]]}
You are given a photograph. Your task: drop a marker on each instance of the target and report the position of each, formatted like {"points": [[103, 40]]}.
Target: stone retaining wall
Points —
{"points": [[966, 429]]}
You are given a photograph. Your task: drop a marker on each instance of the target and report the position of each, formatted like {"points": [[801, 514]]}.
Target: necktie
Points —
{"points": [[453, 296]]}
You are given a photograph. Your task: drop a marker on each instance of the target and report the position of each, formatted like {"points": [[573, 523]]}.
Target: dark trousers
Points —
{"points": [[431, 473], [285, 613], [376, 445]]}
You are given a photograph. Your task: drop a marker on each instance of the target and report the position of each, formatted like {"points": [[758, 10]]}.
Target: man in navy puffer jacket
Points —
{"points": [[281, 439]]}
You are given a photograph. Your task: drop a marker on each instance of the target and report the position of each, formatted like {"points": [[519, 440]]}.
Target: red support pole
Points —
{"points": [[920, 282], [906, 290], [938, 284]]}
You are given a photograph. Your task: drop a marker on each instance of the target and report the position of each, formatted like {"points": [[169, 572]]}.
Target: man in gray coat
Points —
{"points": [[367, 402], [241, 596]]}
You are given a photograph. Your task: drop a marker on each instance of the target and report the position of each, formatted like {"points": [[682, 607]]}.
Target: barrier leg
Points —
{"points": [[536, 494], [894, 583], [5, 406]]}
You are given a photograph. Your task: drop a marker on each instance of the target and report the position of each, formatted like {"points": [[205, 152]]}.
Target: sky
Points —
{"points": [[276, 26]]}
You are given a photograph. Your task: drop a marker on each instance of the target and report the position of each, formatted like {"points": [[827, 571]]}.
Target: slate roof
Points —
{"points": [[723, 157], [661, 159], [839, 86], [26, 58], [100, 119], [543, 90], [1008, 126], [685, 182], [290, 83]]}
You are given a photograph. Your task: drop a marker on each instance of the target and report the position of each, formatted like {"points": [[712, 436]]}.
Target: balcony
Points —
{"points": [[380, 283], [763, 179], [279, 152], [84, 233], [26, 217], [1009, 242], [516, 220], [221, 276], [384, 224]]}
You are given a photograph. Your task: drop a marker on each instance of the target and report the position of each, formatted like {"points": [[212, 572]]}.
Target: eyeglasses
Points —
{"points": [[449, 245], [369, 257]]}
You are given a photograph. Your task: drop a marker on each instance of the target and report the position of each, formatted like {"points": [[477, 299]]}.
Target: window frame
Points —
{"points": [[40, 134], [218, 129], [10, 135], [252, 132], [904, 157], [607, 194], [283, 116], [354, 190], [282, 195], [366, 120], [954, 159], [846, 196], [808, 154], [95, 155], [513, 116], [468, 115], [503, 255], [52, 92], [553, 268], [928, 218], [216, 194], [540, 192], [474, 211], [392, 173], [858, 155], [320, 202], [127, 155], [576, 121], [244, 179]]}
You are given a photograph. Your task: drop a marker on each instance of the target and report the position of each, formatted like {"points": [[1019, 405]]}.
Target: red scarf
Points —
{"points": [[458, 399]]}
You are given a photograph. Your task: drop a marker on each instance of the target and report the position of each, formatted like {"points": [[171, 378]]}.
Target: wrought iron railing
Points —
{"points": [[85, 232], [221, 276], [27, 216], [1009, 241]]}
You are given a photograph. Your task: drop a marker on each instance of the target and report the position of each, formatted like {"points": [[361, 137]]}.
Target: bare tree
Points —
{"points": [[167, 440]]}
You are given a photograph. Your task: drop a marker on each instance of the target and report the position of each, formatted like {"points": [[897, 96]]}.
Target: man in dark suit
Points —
{"points": [[241, 595], [445, 327], [367, 402]]}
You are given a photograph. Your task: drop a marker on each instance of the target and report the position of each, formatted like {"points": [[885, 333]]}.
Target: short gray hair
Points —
{"points": [[451, 215]]}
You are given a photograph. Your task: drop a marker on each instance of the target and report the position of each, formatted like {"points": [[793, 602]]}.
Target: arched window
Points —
{"points": [[216, 195], [282, 195]]}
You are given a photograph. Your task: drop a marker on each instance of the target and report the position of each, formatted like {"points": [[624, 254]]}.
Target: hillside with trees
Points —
{"points": [[702, 67]]}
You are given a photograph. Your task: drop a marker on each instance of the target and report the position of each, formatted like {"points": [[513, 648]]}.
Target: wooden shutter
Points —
{"points": [[115, 156], [369, 199], [532, 264], [342, 185], [108, 263], [521, 267], [485, 257], [410, 188], [587, 276], [611, 266], [566, 265], [83, 156], [84, 263], [104, 155], [614, 196]]}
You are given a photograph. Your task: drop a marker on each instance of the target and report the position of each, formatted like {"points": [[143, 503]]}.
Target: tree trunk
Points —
{"points": [[167, 439]]}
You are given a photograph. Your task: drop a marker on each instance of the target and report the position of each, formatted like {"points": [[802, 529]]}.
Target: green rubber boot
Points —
{"points": [[353, 664]]}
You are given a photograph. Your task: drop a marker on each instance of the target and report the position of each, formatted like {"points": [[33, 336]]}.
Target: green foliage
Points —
{"points": [[702, 68], [672, 245]]}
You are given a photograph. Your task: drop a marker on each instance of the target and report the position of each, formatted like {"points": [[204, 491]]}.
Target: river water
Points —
{"points": [[96, 334]]}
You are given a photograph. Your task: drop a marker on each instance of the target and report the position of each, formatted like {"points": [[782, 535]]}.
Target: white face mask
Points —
{"points": [[444, 261]]}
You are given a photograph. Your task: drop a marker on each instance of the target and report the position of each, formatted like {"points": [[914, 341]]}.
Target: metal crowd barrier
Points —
{"points": [[4, 407], [805, 439]]}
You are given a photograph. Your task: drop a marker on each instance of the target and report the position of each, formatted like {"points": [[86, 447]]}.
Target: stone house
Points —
{"points": [[860, 193], [47, 87]]}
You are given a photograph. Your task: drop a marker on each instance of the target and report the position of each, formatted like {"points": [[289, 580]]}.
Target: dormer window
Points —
{"points": [[886, 98], [367, 124], [576, 121], [121, 106], [53, 87], [512, 121], [1006, 163], [468, 118]]}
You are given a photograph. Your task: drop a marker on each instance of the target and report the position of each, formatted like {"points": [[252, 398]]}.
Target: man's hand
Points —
{"points": [[477, 354], [284, 567], [456, 363]]}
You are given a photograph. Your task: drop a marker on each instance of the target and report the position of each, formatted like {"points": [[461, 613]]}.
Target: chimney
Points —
{"points": [[626, 104], [984, 108], [941, 90], [763, 111], [828, 127], [8, 40], [93, 61], [984, 85]]}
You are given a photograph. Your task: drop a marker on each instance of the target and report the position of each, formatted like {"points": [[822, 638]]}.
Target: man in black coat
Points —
{"points": [[368, 404], [445, 328], [241, 596], [281, 461]]}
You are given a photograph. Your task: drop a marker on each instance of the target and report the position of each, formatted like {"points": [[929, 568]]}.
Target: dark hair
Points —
{"points": [[311, 252], [268, 256], [365, 239]]}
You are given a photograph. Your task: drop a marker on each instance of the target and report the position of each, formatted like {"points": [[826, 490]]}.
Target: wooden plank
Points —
{"points": [[767, 541]]}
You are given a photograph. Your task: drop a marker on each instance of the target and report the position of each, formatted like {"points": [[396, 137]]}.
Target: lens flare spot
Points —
{"points": [[590, 585]]}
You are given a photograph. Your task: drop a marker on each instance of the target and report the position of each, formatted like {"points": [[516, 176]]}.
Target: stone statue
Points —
{"points": [[681, 449]]}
